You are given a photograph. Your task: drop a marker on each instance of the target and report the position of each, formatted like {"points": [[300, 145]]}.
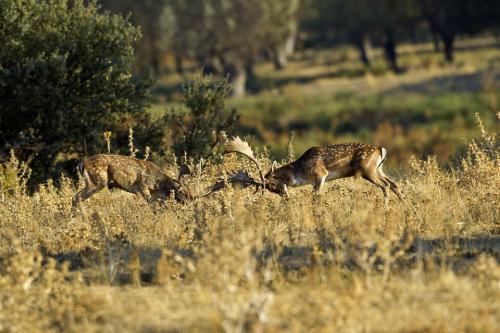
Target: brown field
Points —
{"points": [[238, 262]]}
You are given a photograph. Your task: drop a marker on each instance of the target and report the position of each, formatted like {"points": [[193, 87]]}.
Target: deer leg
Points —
{"points": [[84, 194], [318, 185], [393, 186], [144, 191], [77, 198], [94, 182], [287, 193], [320, 173], [378, 181]]}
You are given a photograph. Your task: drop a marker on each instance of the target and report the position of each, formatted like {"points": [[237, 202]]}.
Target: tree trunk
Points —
{"points": [[290, 42], [178, 63], [155, 64], [217, 65], [435, 41], [280, 59], [448, 47], [283, 51], [206, 66], [249, 67], [238, 76], [364, 47], [390, 53], [213, 64], [155, 53], [251, 80]]}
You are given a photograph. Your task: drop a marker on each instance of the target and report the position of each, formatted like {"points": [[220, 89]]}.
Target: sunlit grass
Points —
{"points": [[238, 261]]}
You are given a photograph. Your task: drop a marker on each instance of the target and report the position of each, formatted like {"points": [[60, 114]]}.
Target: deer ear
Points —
{"points": [[184, 170]]}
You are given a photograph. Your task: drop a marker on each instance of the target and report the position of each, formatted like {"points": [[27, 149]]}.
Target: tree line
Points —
{"points": [[230, 36]]}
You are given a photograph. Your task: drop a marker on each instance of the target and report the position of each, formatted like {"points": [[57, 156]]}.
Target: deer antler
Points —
{"points": [[244, 178], [236, 145], [241, 177]]}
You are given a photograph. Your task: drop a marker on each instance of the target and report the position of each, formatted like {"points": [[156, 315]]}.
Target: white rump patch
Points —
{"points": [[80, 168], [382, 157], [86, 175]]}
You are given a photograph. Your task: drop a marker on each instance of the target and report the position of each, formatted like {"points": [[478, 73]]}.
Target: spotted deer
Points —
{"points": [[317, 166], [130, 175]]}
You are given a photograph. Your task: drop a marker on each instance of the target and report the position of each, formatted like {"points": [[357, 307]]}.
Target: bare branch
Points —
{"points": [[183, 170]]}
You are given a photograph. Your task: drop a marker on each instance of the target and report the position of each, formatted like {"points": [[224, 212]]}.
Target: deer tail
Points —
{"points": [[80, 168], [83, 171]]}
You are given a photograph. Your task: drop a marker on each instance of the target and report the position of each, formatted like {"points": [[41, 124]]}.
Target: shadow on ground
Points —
{"points": [[457, 254], [450, 83], [457, 83]]}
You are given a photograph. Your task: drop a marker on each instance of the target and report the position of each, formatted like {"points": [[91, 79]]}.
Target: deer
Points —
{"points": [[317, 166], [131, 175]]}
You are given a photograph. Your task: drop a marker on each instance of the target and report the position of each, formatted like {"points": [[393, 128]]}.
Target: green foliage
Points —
{"points": [[240, 28], [388, 22], [449, 18], [196, 126], [404, 122], [144, 13], [65, 77], [358, 21]]}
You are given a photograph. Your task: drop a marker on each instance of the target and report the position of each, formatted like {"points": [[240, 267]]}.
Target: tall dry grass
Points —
{"points": [[238, 262]]}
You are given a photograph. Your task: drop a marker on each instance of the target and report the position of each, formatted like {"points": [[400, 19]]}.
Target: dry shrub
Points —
{"points": [[37, 294], [14, 175], [481, 166]]}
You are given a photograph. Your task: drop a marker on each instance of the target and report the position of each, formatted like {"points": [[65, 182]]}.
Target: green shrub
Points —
{"points": [[65, 77], [203, 115]]}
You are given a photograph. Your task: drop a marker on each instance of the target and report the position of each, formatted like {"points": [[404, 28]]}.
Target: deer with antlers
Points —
{"points": [[131, 175], [317, 166]]}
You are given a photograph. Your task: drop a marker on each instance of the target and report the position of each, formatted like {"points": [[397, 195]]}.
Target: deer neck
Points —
{"points": [[291, 175], [169, 184]]}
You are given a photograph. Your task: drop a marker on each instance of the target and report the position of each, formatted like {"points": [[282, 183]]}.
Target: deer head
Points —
{"points": [[272, 181]]}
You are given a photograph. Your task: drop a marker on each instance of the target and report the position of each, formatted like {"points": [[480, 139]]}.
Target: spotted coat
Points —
{"points": [[321, 164]]}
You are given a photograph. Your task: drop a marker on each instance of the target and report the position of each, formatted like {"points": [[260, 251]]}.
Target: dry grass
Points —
{"points": [[241, 263]]}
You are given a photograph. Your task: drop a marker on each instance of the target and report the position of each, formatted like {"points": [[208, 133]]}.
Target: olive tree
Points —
{"points": [[450, 18], [226, 36], [65, 77]]}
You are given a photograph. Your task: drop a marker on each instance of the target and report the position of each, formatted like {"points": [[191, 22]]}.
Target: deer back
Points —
{"points": [[346, 155]]}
